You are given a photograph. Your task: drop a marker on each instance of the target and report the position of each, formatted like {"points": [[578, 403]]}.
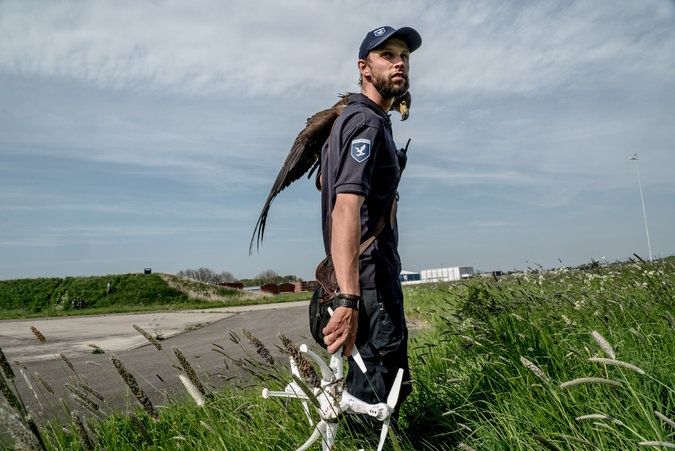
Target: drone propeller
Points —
{"points": [[391, 403]]}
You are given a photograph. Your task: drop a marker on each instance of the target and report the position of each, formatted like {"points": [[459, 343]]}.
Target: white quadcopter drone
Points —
{"points": [[334, 400]]}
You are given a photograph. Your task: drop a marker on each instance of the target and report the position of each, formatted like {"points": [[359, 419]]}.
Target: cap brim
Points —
{"points": [[410, 36]]}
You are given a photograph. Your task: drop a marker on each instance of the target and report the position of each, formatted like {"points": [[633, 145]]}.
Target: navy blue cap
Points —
{"points": [[377, 36]]}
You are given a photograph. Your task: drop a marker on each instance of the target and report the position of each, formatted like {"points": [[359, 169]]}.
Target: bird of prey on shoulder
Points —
{"points": [[305, 154]]}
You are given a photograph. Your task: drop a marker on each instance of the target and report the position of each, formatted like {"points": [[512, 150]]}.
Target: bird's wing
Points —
{"points": [[303, 155]]}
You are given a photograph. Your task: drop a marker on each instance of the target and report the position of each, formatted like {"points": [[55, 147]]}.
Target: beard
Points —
{"points": [[388, 89]]}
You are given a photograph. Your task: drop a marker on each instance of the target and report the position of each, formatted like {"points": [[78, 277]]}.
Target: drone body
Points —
{"points": [[332, 400]]}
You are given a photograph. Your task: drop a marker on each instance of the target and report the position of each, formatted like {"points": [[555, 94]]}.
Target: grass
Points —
{"points": [[125, 293], [489, 331], [566, 359]]}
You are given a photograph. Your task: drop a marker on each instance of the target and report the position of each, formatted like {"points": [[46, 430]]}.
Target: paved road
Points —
{"points": [[194, 332]]}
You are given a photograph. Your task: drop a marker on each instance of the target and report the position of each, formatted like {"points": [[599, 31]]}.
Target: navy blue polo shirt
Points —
{"points": [[360, 157]]}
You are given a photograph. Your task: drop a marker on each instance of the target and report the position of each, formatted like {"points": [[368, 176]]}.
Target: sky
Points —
{"points": [[148, 134]]}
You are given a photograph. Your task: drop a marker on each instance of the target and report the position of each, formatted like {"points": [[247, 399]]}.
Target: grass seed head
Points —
{"points": [[67, 362], [23, 437], [571, 438], [137, 391], [534, 368], [6, 367], [665, 419], [234, 338], [593, 416], [546, 443], [615, 362], [301, 362], [82, 398], [590, 380], [465, 447], [44, 383], [92, 391], [10, 397], [29, 384], [153, 341], [86, 403], [189, 371], [260, 348], [604, 344], [41, 338], [140, 425], [192, 390], [85, 439], [658, 444]]}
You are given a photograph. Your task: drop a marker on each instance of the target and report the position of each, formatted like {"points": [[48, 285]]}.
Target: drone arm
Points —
{"points": [[324, 430], [267, 393], [314, 437]]}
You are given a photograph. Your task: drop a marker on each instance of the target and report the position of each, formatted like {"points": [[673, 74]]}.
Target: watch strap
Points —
{"points": [[347, 300]]}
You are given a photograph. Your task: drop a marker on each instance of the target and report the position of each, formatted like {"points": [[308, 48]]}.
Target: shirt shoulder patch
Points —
{"points": [[360, 149]]}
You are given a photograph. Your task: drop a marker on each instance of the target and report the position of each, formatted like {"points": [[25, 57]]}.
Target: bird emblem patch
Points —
{"points": [[360, 149]]}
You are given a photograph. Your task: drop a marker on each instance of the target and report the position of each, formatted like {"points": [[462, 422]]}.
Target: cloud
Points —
{"points": [[156, 128], [518, 47], [219, 47], [204, 47]]}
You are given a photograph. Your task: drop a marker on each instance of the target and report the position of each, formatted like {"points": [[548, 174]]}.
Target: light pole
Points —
{"points": [[634, 158]]}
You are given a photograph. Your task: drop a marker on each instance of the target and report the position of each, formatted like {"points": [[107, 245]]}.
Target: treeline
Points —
{"points": [[207, 275]]}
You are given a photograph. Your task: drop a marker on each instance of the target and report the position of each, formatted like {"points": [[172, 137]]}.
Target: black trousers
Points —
{"points": [[382, 340]]}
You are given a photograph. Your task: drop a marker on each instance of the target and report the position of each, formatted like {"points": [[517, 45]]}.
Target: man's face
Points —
{"points": [[387, 67]]}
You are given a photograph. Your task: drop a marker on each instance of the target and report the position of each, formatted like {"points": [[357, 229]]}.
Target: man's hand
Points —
{"points": [[341, 330]]}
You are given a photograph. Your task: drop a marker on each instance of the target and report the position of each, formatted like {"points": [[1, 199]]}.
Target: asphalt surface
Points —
{"points": [[193, 332]]}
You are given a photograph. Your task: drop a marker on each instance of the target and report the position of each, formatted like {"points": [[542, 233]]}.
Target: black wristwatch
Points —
{"points": [[347, 300]]}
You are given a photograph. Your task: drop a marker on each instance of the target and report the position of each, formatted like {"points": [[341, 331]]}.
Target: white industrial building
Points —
{"points": [[446, 274], [409, 277]]}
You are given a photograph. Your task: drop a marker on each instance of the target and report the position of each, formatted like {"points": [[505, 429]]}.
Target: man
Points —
{"points": [[360, 176]]}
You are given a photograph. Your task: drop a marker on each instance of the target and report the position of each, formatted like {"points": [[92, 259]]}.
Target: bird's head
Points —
{"points": [[402, 105]]}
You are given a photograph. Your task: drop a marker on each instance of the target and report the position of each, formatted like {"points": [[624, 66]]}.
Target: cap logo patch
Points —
{"points": [[379, 31], [360, 149]]}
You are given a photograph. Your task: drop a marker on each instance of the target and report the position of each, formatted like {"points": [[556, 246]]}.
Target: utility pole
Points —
{"points": [[634, 158]]}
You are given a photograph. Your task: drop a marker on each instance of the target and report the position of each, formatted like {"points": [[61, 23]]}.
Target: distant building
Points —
{"points": [[446, 274], [288, 287], [410, 277], [235, 285], [270, 288]]}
